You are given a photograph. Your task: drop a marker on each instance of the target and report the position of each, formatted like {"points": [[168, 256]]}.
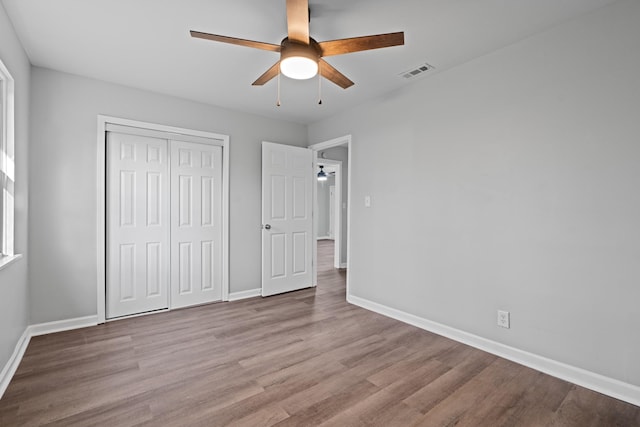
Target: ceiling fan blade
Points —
{"points": [[328, 72], [298, 20], [357, 44], [268, 75], [233, 40]]}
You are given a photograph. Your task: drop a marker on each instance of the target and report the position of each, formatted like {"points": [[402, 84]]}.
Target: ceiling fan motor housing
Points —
{"points": [[299, 60]]}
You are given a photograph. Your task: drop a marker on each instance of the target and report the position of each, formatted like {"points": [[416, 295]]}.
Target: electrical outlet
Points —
{"points": [[503, 319]]}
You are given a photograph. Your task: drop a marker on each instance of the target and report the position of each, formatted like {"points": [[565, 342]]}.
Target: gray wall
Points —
{"points": [[63, 181], [512, 183], [14, 310], [342, 154]]}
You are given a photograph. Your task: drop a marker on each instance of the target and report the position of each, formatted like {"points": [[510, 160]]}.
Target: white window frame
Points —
{"points": [[7, 167]]}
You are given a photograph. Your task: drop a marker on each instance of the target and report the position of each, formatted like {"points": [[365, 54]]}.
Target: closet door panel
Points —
{"points": [[196, 223], [137, 224]]}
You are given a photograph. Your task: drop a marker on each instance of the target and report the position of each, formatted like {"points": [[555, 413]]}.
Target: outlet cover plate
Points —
{"points": [[503, 319]]}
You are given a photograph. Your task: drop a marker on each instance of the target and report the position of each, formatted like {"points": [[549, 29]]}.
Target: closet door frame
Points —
{"points": [[168, 132]]}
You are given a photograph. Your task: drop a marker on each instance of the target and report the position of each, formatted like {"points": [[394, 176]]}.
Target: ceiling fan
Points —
{"points": [[300, 55]]}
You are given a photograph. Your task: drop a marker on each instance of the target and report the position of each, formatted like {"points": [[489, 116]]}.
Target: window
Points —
{"points": [[7, 166]]}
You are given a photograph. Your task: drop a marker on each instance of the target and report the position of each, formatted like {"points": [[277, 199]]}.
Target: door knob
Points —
{"points": [[267, 227]]}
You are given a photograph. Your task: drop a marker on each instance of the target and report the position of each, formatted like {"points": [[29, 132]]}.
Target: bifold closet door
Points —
{"points": [[137, 224], [196, 223]]}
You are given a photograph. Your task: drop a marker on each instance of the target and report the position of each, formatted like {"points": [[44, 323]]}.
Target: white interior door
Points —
{"points": [[196, 223], [287, 221], [137, 225]]}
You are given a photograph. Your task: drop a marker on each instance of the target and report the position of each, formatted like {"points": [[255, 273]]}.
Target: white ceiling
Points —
{"points": [[146, 44]]}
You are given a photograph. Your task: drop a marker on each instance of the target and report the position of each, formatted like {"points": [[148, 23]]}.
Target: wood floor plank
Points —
{"points": [[537, 405], [590, 409], [469, 396], [405, 368], [502, 401], [330, 385], [121, 414], [449, 382], [379, 409], [265, 417], [303, 358], [385, 406], [331, 406]]}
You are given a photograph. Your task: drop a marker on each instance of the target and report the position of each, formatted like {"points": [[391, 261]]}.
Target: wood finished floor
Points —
{"points": [[301, 359]]}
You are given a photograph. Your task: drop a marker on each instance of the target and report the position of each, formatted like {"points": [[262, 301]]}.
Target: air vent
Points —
{"points": [[416, 72]]}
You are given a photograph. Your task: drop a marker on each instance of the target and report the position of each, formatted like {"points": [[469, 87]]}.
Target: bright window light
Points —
{"points": [[7, 168]]}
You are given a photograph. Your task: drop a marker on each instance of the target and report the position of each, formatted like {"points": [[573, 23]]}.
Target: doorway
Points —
{"points": [[327, 149], [330, 207]]}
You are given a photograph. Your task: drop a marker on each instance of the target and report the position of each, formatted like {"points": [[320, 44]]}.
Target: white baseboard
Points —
{"points": [[324, 238], [235, 296], [611, 387], [32, 331], [62, 325], [343, 265], [12, 364]]}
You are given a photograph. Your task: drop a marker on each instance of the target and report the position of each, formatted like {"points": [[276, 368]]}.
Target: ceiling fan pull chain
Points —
{"points": [[319, 84], [278, 100]]}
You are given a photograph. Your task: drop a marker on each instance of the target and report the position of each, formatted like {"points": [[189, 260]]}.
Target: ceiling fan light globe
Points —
{"points": [[299, 67]]}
